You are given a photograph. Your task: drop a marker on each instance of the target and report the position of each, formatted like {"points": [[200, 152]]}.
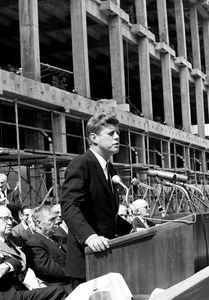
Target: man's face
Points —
{"points": [[107, 140], [24, 216], [57, 209], [48, 223], [143, 211], [5, 221]]}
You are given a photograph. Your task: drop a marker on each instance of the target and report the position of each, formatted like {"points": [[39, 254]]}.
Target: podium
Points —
{"points": [[158, 257]]}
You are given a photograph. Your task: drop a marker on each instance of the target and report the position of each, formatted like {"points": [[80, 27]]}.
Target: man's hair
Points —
{"points": [[24, 207], [99, 120], [39, 212]]}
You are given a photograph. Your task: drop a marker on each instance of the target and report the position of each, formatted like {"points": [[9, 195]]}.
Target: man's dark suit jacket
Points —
{"points": [[89, 206], [11, 286], [61, 236], [46, 258], [18, 230]]}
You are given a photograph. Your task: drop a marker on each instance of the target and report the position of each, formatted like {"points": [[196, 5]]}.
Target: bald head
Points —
{"points": [[140, 207], [4, 211]]}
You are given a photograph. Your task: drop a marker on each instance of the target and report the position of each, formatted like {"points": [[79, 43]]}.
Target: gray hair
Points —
{"points": [[40, 212]]}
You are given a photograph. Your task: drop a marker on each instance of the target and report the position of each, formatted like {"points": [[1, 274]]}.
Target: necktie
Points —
{"points": [[56, 242], [109, 180], [12, 246]]}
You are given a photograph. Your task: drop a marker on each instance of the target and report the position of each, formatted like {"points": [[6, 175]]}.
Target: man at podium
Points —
{"points": [[89, 198]]}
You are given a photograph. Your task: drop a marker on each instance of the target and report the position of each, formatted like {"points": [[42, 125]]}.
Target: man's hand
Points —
{"points": [[4, 268], [97, 243]]}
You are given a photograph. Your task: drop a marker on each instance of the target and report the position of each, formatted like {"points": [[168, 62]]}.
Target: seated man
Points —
{"points": [[20, 228], [8, 195], [13, 267], [45, 255], [140, 210]]}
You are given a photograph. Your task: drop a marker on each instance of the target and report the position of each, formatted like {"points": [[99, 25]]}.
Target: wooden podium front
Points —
{"points": [[158, 257]]}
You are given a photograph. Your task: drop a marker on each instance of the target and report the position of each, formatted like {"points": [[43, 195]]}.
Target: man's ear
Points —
{"points": [[93, 138], [38, 223], [20, 215]]}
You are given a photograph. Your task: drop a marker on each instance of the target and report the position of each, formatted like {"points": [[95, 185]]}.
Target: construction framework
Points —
{"points": [[147, 61]]}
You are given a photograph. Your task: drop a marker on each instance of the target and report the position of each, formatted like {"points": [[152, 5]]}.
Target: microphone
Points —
{"points": [[116, 179], [167, 175], [135, 181]]}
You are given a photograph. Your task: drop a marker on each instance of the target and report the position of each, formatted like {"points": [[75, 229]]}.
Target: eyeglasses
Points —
{"points": [[6, 219]]}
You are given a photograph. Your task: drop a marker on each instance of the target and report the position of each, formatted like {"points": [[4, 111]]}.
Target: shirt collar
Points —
{"points": [[24, 225], [101, 160], [41, 233]]}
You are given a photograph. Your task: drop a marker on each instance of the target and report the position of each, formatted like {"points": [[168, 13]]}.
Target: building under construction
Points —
{"points": [[62, 61]]}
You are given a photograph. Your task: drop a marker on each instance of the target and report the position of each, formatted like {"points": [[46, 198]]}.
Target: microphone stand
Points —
{"points": [[117, 179], [160, 208], [188, 186], [130, 214], [184, 191]]}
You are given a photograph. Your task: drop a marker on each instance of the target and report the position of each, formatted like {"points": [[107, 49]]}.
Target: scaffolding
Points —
{"points": [[34, 174]]}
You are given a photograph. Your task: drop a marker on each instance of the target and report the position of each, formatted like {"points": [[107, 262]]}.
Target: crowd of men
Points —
{"points": [[30, 251], [42, 257]]}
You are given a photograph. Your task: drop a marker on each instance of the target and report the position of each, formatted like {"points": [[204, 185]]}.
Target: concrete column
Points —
{"points": [[180, 28], [195, 37], [80, 47], [206, 44], [167, 89], [29, 39], [197, 64], [187, 158], [183, 71], [117, 58], [166, 163], [59, 128], [144, 62], [185, 99], [165, 64], [206, 52], [200, 106]]}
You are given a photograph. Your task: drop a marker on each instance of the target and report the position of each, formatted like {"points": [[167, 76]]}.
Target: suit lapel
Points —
{"points": [[6, 250], [100, 171], [49, 242]]}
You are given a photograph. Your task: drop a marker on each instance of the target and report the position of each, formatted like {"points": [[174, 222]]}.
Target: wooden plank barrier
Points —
{"points": [[193, 288]]}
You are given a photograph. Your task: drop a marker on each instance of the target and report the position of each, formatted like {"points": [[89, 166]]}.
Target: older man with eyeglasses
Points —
{"points": [[13, 267], [140, 210]]}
